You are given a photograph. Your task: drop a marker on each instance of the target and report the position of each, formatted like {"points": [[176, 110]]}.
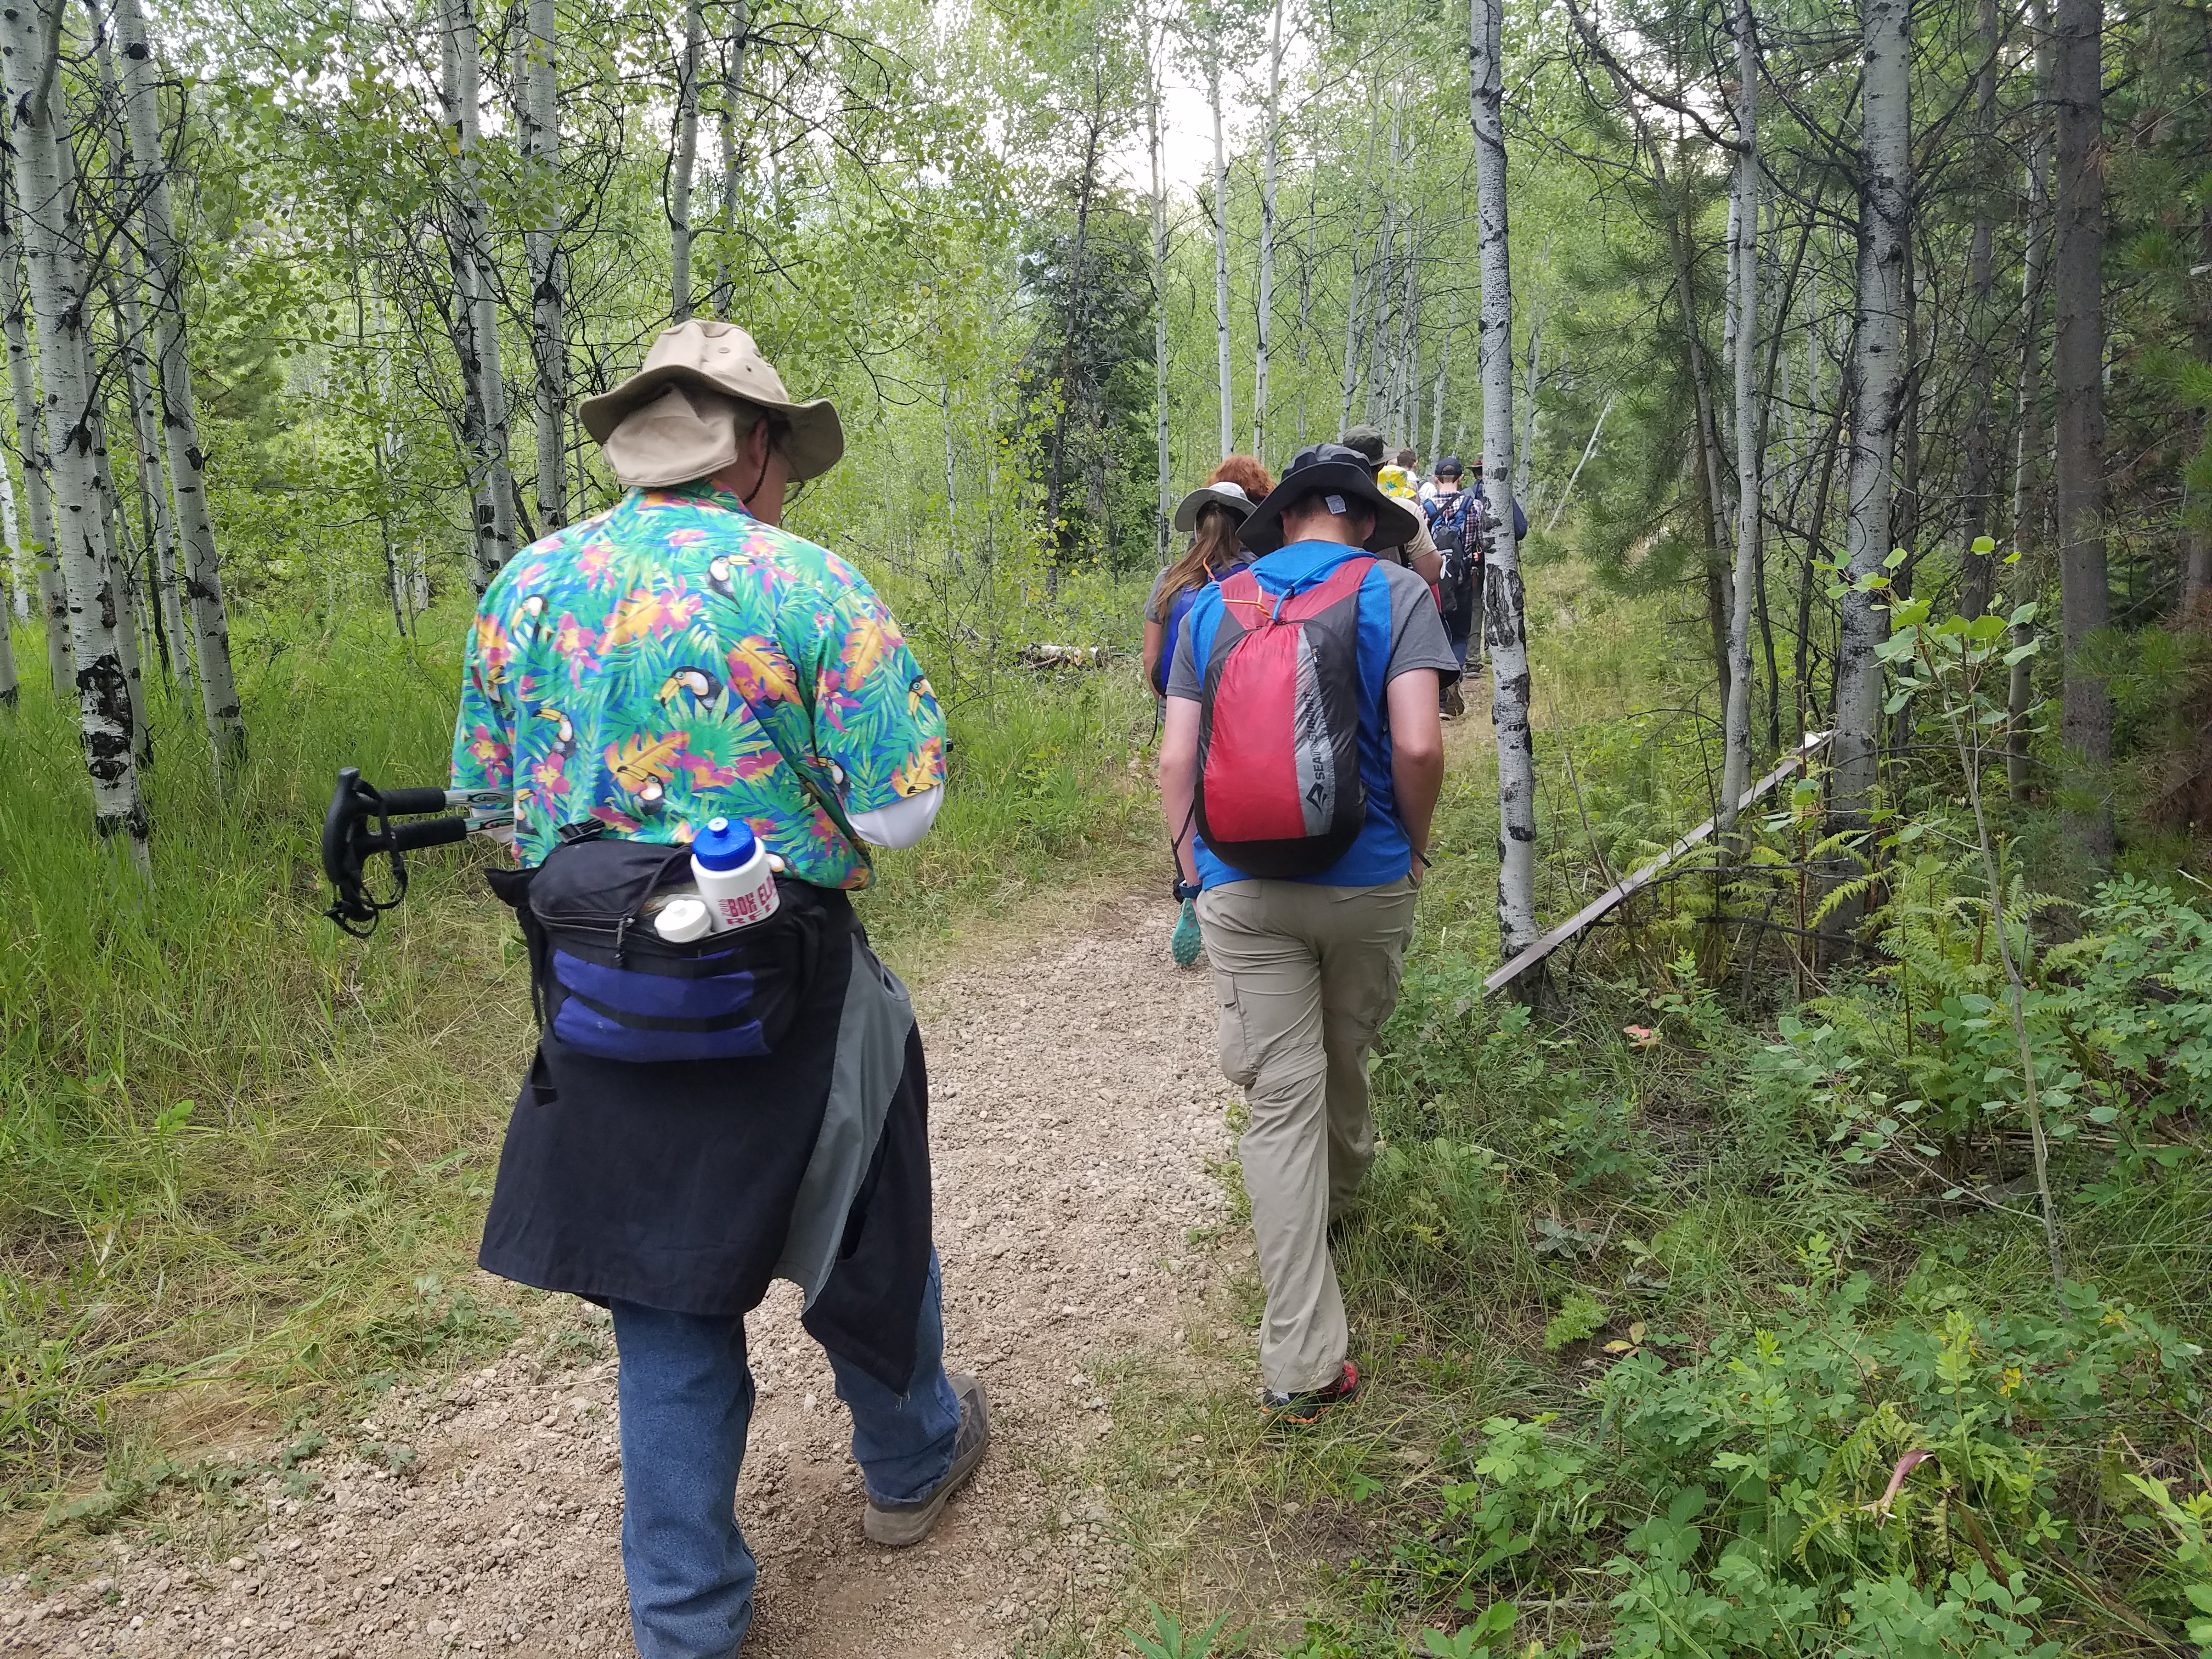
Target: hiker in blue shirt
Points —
{"points": [[1301, 743], [1460, 523]]}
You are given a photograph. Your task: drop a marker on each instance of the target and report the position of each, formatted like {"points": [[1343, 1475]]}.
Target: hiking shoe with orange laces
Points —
{"points": [[1307, 1406]]}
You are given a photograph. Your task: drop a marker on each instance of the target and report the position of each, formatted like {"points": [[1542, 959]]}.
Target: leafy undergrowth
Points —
{"points": [[1691, 1333], [243, 1160]]}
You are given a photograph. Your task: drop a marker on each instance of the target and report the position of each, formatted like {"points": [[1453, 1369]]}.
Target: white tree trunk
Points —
{"points": [[20, 574], [1743, 283], [1526, 455], [1504, 631], [1165, 525], [123, 580], [1221, 253], [687, 157], [733, 81], [37, 528], [1873, 393], [145, 426], [540, 103], [1444, 362], [180, 421], [476, 303], [29, 33], [1266, 294]]}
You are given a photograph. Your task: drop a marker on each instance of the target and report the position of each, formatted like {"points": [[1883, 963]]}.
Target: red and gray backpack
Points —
{"points": [[1279, 793]]}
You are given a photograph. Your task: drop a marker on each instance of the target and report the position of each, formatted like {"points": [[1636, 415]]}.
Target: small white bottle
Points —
{"points": [[683, 918], [735, 872]]}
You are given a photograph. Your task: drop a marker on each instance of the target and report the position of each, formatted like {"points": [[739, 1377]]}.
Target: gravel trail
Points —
{"points": [[1075, 1104]]}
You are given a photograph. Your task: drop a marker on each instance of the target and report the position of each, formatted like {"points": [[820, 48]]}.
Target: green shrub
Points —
{"points": [[1829, 1475]]}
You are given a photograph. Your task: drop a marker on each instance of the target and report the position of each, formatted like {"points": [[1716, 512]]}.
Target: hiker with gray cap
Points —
{"points": [[706, 1114], [1300, 764]]}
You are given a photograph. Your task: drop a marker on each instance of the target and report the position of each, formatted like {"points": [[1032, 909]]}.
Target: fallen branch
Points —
{"points": [[1621, 892]]}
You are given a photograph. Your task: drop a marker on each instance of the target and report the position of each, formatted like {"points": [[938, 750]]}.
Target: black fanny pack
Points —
{"points": [[605, 984]]}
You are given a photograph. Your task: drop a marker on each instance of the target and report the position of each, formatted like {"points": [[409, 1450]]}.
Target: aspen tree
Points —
{"points": [[687, 157], [540, 102], [1504, 627], [152, 490], [1743, 282], [733, 81], [1272, 146], [1874, 390], [208, 618], [476, 327], [30, 35], [1220, 242], [36, 529], [1977, 576]]}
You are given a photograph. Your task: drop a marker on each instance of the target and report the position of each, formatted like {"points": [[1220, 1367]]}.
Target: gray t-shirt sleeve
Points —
{"points": [[1417, 628], [1182, 673]]}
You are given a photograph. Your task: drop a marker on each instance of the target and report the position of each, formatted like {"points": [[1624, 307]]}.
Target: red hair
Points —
{"points": [[1247, 474]]}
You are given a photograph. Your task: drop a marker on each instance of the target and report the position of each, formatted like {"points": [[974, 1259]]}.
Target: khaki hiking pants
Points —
{"points": [[1306, 975]]}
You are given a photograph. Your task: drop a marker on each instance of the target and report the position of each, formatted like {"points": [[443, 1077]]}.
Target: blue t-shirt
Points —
{"points": [[1399, 631]]}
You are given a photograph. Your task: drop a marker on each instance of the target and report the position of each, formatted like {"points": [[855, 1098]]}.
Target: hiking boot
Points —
{"points": [[895, 1526], [1455, 702], [1307, 1407]]}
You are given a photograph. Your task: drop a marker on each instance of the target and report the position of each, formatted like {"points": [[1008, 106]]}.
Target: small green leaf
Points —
{"points": [[1983, 544], [1898, 556]]}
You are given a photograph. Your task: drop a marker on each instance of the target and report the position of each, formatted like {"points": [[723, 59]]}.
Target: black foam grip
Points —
{"points": [[436, 832], [399, 802]]}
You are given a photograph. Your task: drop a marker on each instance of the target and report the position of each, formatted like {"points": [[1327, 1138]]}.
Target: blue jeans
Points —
{"points": [[686, 1398]]}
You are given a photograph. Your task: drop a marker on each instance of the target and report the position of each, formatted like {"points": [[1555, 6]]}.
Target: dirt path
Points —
{"points": [[1075, 1104]]}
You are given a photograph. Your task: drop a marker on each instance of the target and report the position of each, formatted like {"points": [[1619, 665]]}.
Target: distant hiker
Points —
{"points": [[1454, 516], [701, 1118], [1302, 744], [1209, 515], [1461, 525], [1212, 511], [1399, 480], [1417, 553]]}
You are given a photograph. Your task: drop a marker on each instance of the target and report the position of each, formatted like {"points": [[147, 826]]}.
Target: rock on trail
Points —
{"points": [[1075, 1102]]}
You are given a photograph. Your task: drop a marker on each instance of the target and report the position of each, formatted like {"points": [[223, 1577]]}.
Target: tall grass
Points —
{"points": [[242, 1156]]}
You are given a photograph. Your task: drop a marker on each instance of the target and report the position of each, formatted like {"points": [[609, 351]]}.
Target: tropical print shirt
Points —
{"points": [[622, 669]]}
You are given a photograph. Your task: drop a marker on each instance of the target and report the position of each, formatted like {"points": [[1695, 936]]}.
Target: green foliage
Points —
{"points": [[2119, 1022], [1169, 1640], [1580, 1317], [1881, 1480]]}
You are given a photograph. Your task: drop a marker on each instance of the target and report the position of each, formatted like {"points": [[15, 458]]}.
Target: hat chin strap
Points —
{"points": [[759, 479]]}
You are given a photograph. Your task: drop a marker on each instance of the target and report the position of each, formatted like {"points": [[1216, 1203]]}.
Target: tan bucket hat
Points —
{"points": [[1223, 494], [672, 434]]}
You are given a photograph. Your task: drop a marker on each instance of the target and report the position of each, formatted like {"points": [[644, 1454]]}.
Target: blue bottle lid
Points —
{"points": [[724, 844]]}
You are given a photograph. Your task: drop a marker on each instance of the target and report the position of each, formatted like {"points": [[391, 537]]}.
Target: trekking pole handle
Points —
{"points": [[436, 832]]}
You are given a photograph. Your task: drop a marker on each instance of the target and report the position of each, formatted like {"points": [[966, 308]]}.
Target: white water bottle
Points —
{"points": [[735, 872]]}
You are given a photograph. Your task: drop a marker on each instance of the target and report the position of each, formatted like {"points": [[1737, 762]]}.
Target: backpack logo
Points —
{"points": [[1279, 793]]}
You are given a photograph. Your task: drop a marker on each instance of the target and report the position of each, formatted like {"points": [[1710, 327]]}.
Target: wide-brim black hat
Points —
{"points": [[1328, 470]]}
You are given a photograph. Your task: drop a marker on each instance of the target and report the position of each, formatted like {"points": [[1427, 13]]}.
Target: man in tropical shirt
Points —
{"points": [[676, 659]]}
